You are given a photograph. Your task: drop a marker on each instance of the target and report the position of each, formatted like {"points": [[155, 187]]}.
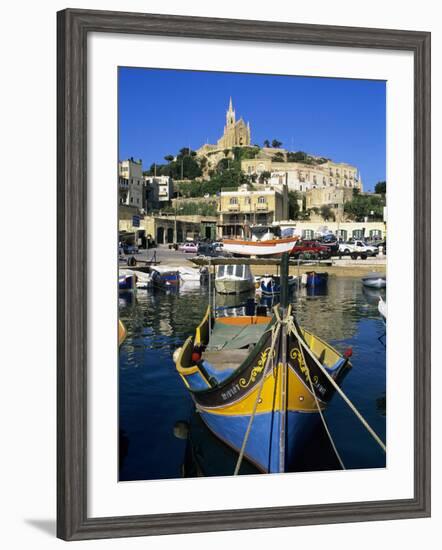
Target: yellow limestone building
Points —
{"points": [[236, 134]]}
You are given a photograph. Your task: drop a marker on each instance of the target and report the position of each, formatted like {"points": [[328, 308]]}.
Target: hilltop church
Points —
{"points": [[236, 134]]}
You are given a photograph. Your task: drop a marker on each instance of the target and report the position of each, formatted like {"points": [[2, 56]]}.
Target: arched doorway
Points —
{"points": [[160, 235], [170, 234]]}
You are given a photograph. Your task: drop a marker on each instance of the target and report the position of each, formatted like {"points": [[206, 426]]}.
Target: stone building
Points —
{"points": [[159, 190], [131, 187], [236, 134], [302, 176], [245, 206], [161, 228], [334, 197], [309, 229]]}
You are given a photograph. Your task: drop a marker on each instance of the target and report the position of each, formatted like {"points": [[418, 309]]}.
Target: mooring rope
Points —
{"points": [[275, 332], [327, 431], [341, 393]]}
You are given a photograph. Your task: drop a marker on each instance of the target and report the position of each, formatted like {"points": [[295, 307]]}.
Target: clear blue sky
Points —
{"points": [[161, 111]]}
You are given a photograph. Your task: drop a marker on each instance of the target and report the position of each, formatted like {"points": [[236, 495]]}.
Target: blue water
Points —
{"points": [[152, 397]]}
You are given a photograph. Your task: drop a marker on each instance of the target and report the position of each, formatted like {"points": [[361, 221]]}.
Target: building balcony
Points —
{"points": [[233, 208], [262, 207]]}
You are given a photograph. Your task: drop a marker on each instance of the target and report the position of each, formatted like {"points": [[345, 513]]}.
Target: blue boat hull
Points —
{"points": [[317, 279], [262, 448], [127, 282]]}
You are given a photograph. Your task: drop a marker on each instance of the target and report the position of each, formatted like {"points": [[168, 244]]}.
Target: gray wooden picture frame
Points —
{"points": [[73, 28]]}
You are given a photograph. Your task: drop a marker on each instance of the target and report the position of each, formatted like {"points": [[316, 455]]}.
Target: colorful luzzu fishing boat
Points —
{"points": [[260, 383]]}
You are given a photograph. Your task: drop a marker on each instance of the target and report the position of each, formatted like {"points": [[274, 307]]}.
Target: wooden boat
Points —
{"points": [[234, 279], [315, 278], [375, 280], [127, 281], [122, 332], [258, 383], [382, 308], [271, 284], [271, 247], [165, 278]]}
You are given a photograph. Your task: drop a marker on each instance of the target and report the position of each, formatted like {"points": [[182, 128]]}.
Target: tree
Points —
{"points": [[299, 156], [293, 205], [327, 213], [380, 187], [276, 143], [278, 157], [362, 206], [266, 143], [169, 158], [264, 176]]}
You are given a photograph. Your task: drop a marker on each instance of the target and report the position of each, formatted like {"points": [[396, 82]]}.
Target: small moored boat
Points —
{"points": [[375, 280], [233, 279], [271, 284], [165, 278], [314, 279], [122, 332], [382, 308], [127, 281], [271, 247]]}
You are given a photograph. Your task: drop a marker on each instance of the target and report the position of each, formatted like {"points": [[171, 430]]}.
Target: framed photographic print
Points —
{"points": [[234, 200]]}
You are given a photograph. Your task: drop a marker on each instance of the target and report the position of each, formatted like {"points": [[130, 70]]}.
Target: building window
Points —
{"points": [[247, 200], [324, 181], [131, 199], [261, 200], [233, 200]]}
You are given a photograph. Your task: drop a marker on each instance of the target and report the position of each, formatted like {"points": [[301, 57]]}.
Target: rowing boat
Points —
{"points": [[260, 383], [271, 247]]}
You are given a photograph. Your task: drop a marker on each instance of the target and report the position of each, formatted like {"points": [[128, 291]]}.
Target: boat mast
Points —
{"points": [[283, 362]]}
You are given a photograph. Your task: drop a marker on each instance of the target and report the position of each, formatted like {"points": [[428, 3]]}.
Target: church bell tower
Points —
{"points": [[230, 116]]}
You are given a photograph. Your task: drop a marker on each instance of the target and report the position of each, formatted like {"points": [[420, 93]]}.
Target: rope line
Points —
{"points": [[275, 332], [341, 393], [332, 443]]}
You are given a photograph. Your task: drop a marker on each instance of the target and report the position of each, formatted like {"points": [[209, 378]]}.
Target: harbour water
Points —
{"points": [[155, 407]]}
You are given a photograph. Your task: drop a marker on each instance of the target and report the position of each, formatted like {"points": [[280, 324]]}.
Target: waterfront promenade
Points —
{"points": [[340, 267]]}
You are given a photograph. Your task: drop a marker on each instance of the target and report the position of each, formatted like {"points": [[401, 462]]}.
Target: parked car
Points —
{"points": [[358, 248], [189, 247], [130, 249], [305, 250], [212, 250], [332, 243]]}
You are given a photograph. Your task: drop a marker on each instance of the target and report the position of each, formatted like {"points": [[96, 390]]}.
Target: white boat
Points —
{"points": [[382, 308], [189, 274], [234, 279], [270, 247], [375, 280]]}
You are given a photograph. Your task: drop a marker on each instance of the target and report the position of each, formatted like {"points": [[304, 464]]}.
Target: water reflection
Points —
{"points": [[153, 397]]}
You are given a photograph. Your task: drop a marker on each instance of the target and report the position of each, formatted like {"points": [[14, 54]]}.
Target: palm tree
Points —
{"points": [[266, 143]]}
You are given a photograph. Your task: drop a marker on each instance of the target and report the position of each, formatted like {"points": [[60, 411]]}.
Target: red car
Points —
{"points": [[305, 250]]}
